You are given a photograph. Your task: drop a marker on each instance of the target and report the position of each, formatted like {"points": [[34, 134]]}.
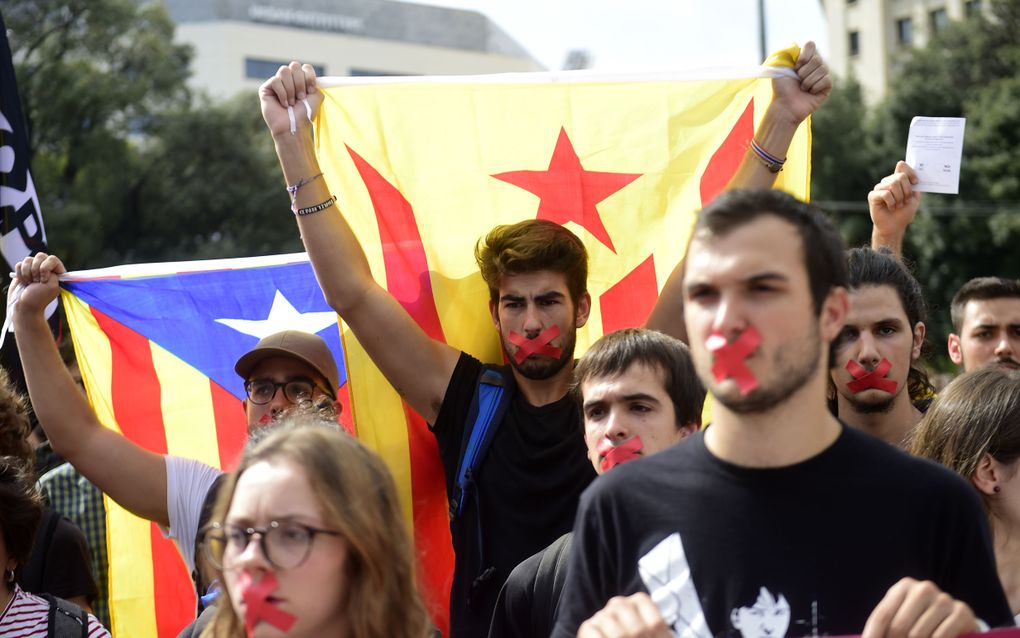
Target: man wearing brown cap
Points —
{"points": [[284, 370]]}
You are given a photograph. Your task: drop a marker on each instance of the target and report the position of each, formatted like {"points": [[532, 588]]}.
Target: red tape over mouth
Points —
{"points": [[539, 345], [256, 606], [730, 358], [614, 455], [865, 379]]}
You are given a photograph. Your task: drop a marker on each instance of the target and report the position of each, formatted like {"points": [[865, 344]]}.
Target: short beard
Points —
{"points": [[792, 375], [542, 368], [873, 407]]}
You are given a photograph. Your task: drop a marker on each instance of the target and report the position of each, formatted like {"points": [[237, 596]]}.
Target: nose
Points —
{"points": [[532, 321], [252, 557], [279, 401], [867, 353], [1005, 347], [616, 427], [729, 319]]}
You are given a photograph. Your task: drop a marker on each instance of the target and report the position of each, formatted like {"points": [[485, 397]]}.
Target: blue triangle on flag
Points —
{"points": [[180, 312]]}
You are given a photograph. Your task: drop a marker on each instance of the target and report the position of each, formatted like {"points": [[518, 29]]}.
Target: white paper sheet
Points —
{"points": [[935, 150]]}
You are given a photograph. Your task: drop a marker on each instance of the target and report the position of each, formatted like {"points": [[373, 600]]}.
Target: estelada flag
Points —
{"points": [[156, 345], [424, 167]]}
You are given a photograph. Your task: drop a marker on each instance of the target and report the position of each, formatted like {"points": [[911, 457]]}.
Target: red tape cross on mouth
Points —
{"points": [[257, 606], [730, 358], [539, 345], [613, 455], [865, 380]]}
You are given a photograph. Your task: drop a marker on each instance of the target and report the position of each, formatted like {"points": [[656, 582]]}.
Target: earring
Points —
{"points": [[996, 489], [10, 575]]}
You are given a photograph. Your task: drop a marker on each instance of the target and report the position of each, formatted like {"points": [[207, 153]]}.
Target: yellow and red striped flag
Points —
{"points": [[422, 168]]}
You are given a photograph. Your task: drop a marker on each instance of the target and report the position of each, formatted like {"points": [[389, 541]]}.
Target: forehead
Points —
{"points": [[273, 489], [765, 244], [533, 283], [638, 378], [874, 303], [283, 369], [988, 312]]}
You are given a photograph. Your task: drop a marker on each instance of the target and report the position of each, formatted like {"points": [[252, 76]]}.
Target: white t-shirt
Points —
{"points": [[187, 483]]}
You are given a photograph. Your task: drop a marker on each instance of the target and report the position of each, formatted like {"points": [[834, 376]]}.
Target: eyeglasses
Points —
{"points": [[285, 544], [262, 391]]}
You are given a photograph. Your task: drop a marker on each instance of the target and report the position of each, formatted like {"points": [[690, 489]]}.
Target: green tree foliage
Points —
{"points": [[842, 163], [968, 70], [128, 164]]}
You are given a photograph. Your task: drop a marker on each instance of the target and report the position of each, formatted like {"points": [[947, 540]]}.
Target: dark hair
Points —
{"points": [[978, 413], [820, 241], [981, 289], [15, 425], [867, 267], [20, 507], [529, 246], [614, 353]]}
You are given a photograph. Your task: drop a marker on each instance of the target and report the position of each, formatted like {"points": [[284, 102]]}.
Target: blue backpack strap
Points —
{"points": [[488, 406]]}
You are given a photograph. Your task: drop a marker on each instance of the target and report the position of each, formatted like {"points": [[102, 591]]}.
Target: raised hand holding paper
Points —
{"points": [[934, 151], [730, 358]]}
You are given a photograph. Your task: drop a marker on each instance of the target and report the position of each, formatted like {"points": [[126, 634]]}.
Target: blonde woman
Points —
{"points": [[973, 428], [310, 541]]}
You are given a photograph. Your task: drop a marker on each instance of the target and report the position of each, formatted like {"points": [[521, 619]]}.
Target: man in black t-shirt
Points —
{"points": [[639, 394], [776, 507], [530, 479]]}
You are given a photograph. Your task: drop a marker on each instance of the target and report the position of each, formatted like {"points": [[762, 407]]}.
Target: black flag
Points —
{"points": [[21, 223]]}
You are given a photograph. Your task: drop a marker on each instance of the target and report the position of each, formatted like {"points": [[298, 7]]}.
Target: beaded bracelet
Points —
{"points": [[292, 190], [314, 209]]}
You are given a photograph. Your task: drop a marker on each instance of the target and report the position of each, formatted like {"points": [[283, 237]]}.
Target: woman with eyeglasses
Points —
{"points": [[310, 541], [973, 428]]}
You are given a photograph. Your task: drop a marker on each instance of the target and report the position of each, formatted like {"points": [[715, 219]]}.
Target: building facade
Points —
{"points": [[240, 43], [867, 38]]}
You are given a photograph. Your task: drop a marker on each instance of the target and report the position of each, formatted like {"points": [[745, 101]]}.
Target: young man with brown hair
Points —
{"points": [[776, 505], [527, 488]]}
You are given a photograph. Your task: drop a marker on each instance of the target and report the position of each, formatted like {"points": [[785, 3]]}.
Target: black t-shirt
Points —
{"points": [[527, 604], [62, 567], [527, 486], [808, 549]]}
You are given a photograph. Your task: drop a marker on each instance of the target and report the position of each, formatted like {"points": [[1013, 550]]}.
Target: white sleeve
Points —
{"points": [[187, 483]]}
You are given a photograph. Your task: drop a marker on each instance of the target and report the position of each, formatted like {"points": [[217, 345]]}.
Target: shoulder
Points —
{"points": [[182, 473], [28, 613], [894, 471]]}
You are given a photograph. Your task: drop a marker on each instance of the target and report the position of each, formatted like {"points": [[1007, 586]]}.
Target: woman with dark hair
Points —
{"points": [[26, 615], [973, 427], [310, 541]]}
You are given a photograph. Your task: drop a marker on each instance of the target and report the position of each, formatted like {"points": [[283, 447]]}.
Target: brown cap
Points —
{"points": [[305, 347]]}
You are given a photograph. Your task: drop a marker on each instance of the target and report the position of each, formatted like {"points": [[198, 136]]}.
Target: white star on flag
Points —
{"points": [[282, 316]]}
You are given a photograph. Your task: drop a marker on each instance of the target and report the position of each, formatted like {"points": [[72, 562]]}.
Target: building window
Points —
{"points": [[938, 20], [854, 41], [851, 2], [973, 8], [257, 69], [904, 31]]}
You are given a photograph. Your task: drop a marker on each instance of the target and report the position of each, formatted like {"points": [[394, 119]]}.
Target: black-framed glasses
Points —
{"points": [[285, 544], [262, 391]]}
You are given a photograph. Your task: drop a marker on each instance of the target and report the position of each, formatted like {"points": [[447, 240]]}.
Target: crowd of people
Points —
{"points": [[805, 507]]}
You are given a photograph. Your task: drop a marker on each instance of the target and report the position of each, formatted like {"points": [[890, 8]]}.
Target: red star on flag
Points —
{"points": [[568, 192]]}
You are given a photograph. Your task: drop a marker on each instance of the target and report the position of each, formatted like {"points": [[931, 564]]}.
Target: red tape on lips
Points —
{"points": [[730, 357], [539, 345], [614, 455], [256, 606], [865, 380]]}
